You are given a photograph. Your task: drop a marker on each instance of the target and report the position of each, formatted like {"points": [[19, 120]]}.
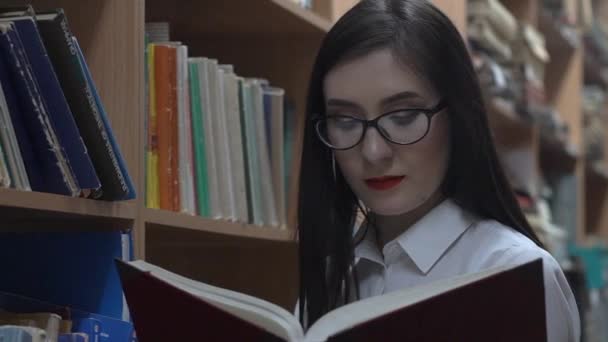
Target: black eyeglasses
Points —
{"points": [[401, 127]]}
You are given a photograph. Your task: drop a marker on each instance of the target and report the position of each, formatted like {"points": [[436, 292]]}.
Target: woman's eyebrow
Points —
{"points": [[342, 103], [404, 95]]}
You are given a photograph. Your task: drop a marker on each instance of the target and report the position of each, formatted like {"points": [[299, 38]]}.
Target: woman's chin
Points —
{"points": [[389, 209]]}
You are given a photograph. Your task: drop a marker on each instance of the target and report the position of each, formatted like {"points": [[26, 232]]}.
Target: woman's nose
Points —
{"points": [[374, 147]]}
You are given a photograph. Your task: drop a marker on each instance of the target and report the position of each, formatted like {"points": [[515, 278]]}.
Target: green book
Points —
{"points": [[198, 137], [251, 147]]}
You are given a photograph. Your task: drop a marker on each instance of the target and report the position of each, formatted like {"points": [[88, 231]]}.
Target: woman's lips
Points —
{"points": [[384, 183]]}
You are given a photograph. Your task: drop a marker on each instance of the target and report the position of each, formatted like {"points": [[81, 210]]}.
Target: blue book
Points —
{"points": [[104, 117], [56, 174], [97, 326], [76, 268], [89, 326], [110, 329], [59, 112], [74, 337], [30, 161], [94, 126]]}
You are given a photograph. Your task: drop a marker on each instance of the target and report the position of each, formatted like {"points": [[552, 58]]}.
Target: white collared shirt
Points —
{"points": [[448, 242]]}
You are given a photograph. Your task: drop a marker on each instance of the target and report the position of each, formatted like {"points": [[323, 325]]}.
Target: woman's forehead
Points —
{"points": [[374, 76]]}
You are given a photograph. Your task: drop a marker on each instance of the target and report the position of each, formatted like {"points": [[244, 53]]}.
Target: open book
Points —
{"points": [[502, 304]]}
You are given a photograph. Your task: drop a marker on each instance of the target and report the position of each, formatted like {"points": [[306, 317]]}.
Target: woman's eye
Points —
{"points": [[344, 123], [403, 118]]}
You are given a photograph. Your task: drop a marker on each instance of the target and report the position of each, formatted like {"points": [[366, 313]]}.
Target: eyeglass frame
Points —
{"points": [[428, 112]]}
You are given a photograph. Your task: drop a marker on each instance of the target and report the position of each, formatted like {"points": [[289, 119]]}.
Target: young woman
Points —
{"points": [[396, 129]]}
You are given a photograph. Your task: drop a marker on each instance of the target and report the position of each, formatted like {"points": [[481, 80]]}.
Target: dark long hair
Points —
{"points": [[419, 34]]}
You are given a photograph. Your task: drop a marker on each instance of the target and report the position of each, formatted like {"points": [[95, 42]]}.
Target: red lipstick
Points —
{"points": [[384, 183]]}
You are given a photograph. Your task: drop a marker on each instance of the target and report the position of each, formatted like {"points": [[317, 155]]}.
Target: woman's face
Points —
{"points": [[389, 179]]}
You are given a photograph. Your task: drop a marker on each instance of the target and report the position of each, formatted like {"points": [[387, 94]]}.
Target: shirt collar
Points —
{"points": [[427, 240]]}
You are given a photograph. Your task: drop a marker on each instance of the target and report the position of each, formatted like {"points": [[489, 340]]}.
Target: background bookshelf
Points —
{"points": [[277, 40]]}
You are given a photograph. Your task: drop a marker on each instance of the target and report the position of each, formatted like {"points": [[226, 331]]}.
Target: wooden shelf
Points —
{"points": [[27, 211], [191, 19], [173, 220]]}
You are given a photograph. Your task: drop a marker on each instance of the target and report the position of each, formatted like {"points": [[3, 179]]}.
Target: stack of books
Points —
{"points": [[54, 133]]}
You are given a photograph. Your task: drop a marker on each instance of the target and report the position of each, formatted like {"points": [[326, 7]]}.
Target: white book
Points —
{"points": [[184, 131], [216, 102], [17, 333], [274, 114], [10, 146], [251, 147], [212, 170], [269, 210], [225, 162], [233, 125]]}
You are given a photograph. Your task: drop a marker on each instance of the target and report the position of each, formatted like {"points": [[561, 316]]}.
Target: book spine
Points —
{"points": [[198, 136], [212, 158], [174, 133], [60, 115], [14, 160], [152, 183], [186, 176], [164, 64], [267, 192], [253, 167], [244, 155], [226, 166], [5, 177], [56, 177], [231, 91], [81, 99]]}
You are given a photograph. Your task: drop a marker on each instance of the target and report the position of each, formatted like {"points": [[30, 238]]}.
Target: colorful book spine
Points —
{"points": [[152, 181], [251, 147], [165, 79], [198, 138], [207, 99], [186, 159]]}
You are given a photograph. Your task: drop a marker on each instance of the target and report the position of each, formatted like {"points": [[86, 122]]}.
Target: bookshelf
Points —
{"points": [[161, 218], [27, 211], [278, 40]]}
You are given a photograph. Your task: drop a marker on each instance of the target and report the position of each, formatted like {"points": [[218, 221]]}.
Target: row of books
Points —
{"points": [[59, 324], [54, 133], [46, 327], [81, 295], [218, 144]]}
